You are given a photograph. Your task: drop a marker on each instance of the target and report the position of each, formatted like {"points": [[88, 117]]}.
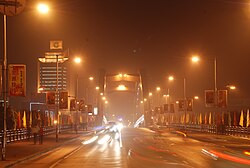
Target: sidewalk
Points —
{"points": [[26, 149]]}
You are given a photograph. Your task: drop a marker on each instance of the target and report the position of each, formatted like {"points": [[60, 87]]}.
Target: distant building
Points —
{"points": [[47, 77], [52, 73]]}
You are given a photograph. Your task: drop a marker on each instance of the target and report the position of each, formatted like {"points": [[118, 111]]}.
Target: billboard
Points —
{"points": [[50, 98], [181, 105], [165, 108], [72, 104], [17, 80], [209, 98], [171, 108], [222, 98], [168, 108], [63, 100], [56, 45]]}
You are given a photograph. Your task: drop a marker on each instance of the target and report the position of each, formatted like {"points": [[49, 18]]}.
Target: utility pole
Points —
{"points": [[57, 100], [8, 8], [185, 102], [4, 88]]}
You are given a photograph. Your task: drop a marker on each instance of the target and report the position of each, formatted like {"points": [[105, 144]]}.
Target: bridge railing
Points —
{"points": [[222, 129], [22, 134]]}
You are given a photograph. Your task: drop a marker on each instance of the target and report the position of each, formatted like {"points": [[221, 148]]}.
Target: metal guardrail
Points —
{"points": [[22, 134], [222, 129]]}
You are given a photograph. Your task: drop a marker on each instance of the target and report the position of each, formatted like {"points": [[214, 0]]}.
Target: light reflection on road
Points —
{"points": [[105, 152], [147, 149]]}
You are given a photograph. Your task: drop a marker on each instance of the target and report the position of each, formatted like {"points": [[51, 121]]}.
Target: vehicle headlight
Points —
{"points": [[119, 126]]}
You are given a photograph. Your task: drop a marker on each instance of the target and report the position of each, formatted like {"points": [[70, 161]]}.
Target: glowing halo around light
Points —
{"points": [[43, 8]]}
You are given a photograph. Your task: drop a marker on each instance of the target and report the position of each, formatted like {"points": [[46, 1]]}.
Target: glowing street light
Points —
{"points": [[78, 60], [43, 8], [196, 97], [158, 88], [170, 78], [215, 87], [195, 59], [166, 95], [231, 87]]}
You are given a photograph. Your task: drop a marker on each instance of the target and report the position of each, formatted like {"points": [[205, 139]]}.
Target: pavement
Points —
{"points": [[19, 151]]}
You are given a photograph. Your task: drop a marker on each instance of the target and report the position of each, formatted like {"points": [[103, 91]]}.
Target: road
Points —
{"points": [[142, 147]]}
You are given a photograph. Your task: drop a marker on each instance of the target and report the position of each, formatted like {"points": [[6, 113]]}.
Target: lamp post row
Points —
{"points": [[196, 59]]}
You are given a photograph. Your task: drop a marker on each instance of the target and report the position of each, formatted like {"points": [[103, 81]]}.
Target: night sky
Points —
{"points": [[158, 36]]}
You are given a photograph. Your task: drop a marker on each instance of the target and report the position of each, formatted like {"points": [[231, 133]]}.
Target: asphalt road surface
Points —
{"points": [[144, 148]]}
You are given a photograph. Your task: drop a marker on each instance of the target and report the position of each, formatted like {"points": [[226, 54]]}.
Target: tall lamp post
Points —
{"points": [[215, 91], [158, 102], [4, 89], [8, 8], [171, 78], [230, 88], [77, 61], [150, 94], [57, 101], [51, 58], [197, 59], [185, 102], [168, 106]]}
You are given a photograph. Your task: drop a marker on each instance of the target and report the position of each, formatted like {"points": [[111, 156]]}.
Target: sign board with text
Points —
{"points": [[11, 7], [17, 80]]}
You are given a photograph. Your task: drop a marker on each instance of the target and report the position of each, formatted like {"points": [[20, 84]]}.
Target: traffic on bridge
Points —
{"points": [[126, 84]]}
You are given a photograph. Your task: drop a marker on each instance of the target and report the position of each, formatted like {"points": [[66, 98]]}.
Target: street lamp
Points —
{"points": [[197, 59], [150, 94], [231, 87], [167, 97], [171, 78], [77, 60], [196, 97], [158, 89], [13, 8], [43, 8]]}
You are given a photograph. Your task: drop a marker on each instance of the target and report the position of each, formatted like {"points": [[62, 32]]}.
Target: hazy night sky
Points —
{"points": [[127, 35]]}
